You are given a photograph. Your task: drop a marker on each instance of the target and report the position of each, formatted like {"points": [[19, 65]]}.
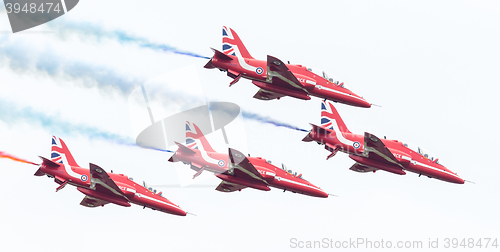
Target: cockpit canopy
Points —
{"points": [[422, 152], [283, 166], [329, 77], [151, 189]]}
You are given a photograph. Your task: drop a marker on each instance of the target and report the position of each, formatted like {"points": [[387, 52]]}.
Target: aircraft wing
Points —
{"points": [[241, 167], [279, 74], [93, 202], [376, 150], [357, 167], [225, 186], [101, 182], [267, 95]]}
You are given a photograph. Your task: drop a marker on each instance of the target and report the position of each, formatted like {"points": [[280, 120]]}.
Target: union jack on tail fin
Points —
{"points": [[232, 44], [60, 153], [331, 119], [195, 138]]}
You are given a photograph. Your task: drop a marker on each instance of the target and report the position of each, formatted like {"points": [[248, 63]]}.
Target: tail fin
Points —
{"points": [[60, 153], [331, 119], [232, 45], [195, 138]]}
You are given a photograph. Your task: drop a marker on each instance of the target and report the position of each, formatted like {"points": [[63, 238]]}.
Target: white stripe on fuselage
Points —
{"points": [[297, 183], [338, 92], [339, 134], [204, 154], [156, 200], [412, 161], [434, 168], [242, 61], [70, 171]]}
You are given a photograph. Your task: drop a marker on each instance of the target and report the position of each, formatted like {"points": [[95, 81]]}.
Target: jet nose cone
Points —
{"points": [[459, 181], [454, 179], [359, 101], [319, 193], [364, 104], [179, 212], [323, 195], [175, 211]]}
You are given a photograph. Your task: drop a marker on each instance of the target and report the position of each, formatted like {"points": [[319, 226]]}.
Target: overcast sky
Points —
{"points": [[431, 65]]}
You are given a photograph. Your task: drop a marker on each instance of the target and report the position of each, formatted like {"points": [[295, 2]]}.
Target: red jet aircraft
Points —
{"points": [[100, 187], [372, 153], [277, 79], [242, 172]]}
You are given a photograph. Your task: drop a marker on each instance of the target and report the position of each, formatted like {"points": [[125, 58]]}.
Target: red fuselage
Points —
{"points": [[256, 70], [274, 176], [411, 160], [137, 194]]}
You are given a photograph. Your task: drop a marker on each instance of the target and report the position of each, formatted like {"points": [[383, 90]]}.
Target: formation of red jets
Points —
{"points": [[238, 171]]}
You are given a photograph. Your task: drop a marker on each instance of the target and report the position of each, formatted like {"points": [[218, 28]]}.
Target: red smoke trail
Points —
{"points": [[11, 157]]}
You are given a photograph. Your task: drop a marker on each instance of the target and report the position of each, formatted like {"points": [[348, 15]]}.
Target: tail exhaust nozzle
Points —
{"points": [[39, 172], [173, 158], [307, 138], [209, 65]]}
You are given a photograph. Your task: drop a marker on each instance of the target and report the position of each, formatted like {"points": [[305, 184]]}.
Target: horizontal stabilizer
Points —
{"points": [[48, 163], [184, 149], [220, 55], [320, 130]]}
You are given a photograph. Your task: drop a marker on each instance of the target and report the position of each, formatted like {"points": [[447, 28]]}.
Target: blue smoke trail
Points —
{"points": [[11, 113], [263, 119], [88, 29], [22, 59]]}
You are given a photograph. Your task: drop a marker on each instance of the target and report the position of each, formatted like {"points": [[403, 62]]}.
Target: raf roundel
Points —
{"points": [[221, 163], [259, 70], [356, 145], [84, 178]]}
